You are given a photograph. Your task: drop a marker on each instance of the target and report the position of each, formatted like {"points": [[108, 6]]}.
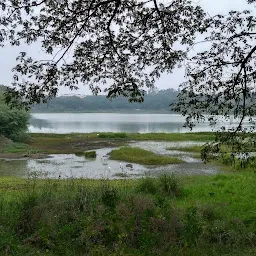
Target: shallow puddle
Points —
{"points": [[70, 165]]}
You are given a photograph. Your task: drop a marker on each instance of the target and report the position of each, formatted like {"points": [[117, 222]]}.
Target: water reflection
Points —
{"points": [[113, 122], [109, 122]]}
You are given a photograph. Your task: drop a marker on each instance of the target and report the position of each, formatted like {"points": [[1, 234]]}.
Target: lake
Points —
{"points": [[110, 122]]}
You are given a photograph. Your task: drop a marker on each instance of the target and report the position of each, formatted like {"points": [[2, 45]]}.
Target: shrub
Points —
{"points": [[192, 226], [109, 197], [91, 154], [170, 185], [13, 123], [147, 185]]}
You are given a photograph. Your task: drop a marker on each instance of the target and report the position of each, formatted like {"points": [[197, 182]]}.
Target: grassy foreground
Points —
{"points": [[203, 215], [142, 156]]}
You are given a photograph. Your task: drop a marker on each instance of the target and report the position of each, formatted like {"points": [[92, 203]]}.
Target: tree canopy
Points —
{"points": [[221, 79], [127, 44]]}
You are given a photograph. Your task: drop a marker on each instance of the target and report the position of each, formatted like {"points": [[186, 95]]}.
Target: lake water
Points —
{"points": [[110, 122]]}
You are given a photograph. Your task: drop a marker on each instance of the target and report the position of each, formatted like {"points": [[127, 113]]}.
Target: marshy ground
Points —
{"points": [[184, 215], [63, 156]]}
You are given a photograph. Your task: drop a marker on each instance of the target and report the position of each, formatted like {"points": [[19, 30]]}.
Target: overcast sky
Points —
{"points": [[8, 54]]}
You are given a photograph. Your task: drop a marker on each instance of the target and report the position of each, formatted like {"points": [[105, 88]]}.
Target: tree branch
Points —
{"points": [[243, 66]]}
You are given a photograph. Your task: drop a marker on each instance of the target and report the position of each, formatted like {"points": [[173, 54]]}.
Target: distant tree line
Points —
{"points": [[155, 100]]}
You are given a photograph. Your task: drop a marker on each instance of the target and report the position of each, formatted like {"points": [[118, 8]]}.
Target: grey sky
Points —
{"points": [[8, 54]]}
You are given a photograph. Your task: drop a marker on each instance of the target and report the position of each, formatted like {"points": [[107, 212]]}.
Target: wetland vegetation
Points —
{"points": [[142, 156], [166, 215], [196, 215], [187, 215]]}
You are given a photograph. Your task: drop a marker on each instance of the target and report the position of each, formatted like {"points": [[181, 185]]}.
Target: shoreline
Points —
{"points": [[41, 145]]}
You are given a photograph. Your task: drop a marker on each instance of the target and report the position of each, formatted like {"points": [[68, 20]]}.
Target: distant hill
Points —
{"points": [[157, 101]]}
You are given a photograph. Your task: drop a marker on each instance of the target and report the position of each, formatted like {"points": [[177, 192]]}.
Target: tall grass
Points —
{"points": [[163, 216]]}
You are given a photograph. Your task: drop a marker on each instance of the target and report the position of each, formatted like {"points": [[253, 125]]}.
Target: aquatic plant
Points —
{"points": [[90, 154]]}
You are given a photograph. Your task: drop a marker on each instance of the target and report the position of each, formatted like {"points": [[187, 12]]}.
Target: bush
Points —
{"points": [[13, 123], [170, 186], [165, 185], [109, 197], [147, 185], [91, 154]]}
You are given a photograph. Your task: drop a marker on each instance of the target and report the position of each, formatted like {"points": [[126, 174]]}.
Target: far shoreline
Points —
{"points": [[108, 111]]}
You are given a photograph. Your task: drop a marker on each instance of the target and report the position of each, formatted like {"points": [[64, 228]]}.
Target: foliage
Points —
{"points": [[147, 185], [170, 185], [141, 156], [127, 44], [221, 80], [165, 185], [87, 217], [137, 43], [13, 122], [91, 154]]}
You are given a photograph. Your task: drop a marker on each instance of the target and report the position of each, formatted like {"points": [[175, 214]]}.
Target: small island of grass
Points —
{"points": [[142, 156], [192, 149]]}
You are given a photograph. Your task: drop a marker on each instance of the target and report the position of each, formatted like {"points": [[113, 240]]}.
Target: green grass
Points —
{"points": [[192, 149], [141, 156], [197, 149], [226, 164], [195, 215], [17, 147], [113, 135], [193, 136]]}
